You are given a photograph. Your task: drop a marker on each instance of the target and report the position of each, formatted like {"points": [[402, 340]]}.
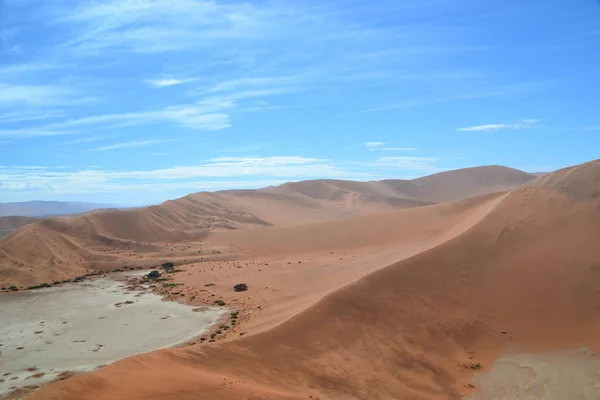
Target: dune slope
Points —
{"points": [[525, 275]]}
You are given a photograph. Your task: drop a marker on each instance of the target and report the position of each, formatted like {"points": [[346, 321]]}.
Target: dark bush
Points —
{"points": [[153, 274], [219, 302], [168, 265], [43, 285], [240, 287], [13, 289]]}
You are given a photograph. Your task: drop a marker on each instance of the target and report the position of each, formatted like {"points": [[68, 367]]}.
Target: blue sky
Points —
{"points": [[139, 101]]}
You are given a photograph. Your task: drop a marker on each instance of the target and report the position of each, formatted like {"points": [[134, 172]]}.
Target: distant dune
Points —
{"points": [[63, 247], [47, 208], [403, 304]]}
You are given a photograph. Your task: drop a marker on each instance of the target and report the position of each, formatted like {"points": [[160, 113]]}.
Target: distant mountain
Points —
{"points": [[48, 208]]}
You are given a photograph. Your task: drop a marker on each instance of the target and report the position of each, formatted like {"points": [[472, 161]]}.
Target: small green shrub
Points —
{"points": [[219, 302], [13, 289], [209, 284]]}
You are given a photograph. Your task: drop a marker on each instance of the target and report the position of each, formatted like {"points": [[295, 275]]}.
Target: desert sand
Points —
{"points": [[372, 290]]}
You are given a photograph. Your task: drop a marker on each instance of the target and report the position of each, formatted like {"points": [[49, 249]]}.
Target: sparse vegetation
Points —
{"points": [[209, 284], [168, 265], [167, 285], [42, 285], [219, 302], [173, 271], [13, 289]]}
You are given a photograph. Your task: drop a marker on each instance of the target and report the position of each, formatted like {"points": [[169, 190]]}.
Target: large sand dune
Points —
{"points": [[407, 304], [66, 247]]}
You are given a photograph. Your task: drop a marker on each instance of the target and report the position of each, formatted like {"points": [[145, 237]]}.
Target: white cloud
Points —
{"points": [[149, 26], [523, 124], [25, 115], [393, 149], [260, 82], [124, 145], [168, 82], [87, 139], [373, 144], [39, 95], [99, 180], [378, 146], [209, 113]]}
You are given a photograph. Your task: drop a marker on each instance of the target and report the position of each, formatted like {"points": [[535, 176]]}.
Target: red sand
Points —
{"points": [[403, 304]]}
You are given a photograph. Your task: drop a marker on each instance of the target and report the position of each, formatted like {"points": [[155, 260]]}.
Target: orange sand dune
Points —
{"points": [[507, 271], [60, 248], [436, 188]]}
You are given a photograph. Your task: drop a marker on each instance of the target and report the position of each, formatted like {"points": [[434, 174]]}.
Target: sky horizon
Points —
{"points": [[134, 102]]}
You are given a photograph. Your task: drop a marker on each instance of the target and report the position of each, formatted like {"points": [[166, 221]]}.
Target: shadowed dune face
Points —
{"points": [[521, 276], [13, 222], [60, 248]]}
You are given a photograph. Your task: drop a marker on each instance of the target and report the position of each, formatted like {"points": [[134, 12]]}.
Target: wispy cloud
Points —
{"points": [[393, 149], [420, 164], [210, 113], [40, 95], [159, 25], [139, 143], [381, 146], [25, 115], [101, 180], [168, 82], [523, 124], [88, 139], [483, 92]]}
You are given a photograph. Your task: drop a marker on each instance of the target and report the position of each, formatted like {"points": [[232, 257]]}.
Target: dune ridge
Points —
{"points": [[65, 247]]}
